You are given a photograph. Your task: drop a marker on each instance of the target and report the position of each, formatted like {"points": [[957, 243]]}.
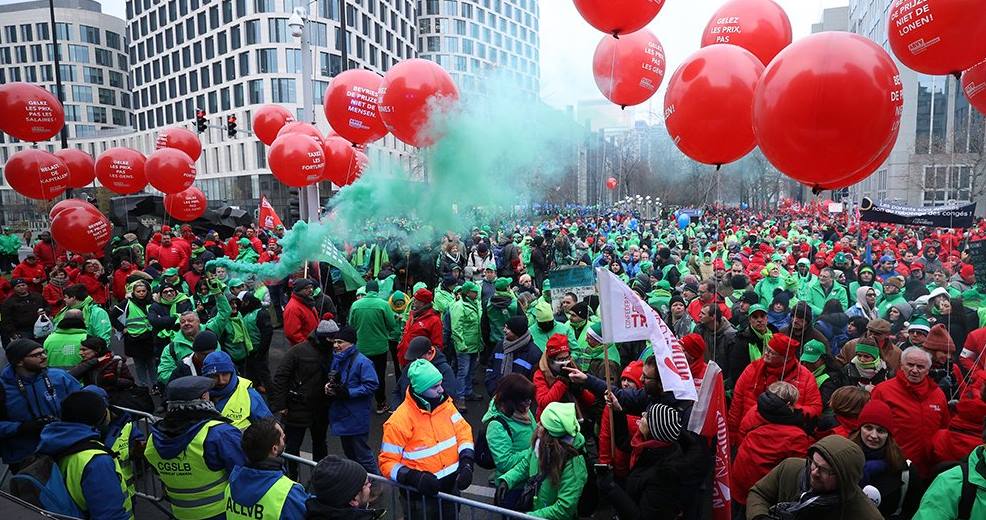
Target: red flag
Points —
{"points": [[268, 218], [708, 419]]}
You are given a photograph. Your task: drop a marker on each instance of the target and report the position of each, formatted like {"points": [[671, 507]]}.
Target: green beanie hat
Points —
{"points": [[865, 348], [560, 419], [423, 375], [419, 285], [646, 266], [546, 286], [542, 312], [469, 286], [502, 284]]}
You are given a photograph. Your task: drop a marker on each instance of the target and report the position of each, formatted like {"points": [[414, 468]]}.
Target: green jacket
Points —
{"points": [[854, 286], [373, 320], [540, 338], [508, 449], [941, 500], [63, 347], [181, 346], [816, 297], [500, 308], [886, 303], [97, 319], [555, 502], [467, 334], [237, 341], [804, 285], [442, 300], [765, 289], [973, 299]]}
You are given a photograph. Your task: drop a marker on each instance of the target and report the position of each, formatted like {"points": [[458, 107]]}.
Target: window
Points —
{"points": [[256, 89], [92, 75], [27, 32], [31, 74], [204, 76], [214, 17], [230, 69], [85, 130], [63, 31], [947, 184], [81, 94], [119, 117], [67, 72], [266, 61], [278, 30], [221, 39], [238, 95], [244, 64], [10, 33], [104, 57], [932, 115], [107, 96], [78, 53], [89, 34], [217, 73], [252, 30], [42, 30], [294, 61], [96, 114], [227, 11], [283, 91], [37, 53], [71, 113], [21, 51], [234, 37], [263, 6], [46, 74]]}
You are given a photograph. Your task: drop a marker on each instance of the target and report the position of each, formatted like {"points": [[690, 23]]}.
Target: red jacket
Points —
{"points": [[764, 445], [173, 256], [299, 320], [5, 289], [192, 279], [98, 291], [756, 378], [919, 411], [120, 282], [428, 324], [232, 247], [964, 432], [29, 273], [53, 295], [619, 460], [556, 392], [695, 307], [972, 357], [47, 253], [153, 249], [845, 428]]}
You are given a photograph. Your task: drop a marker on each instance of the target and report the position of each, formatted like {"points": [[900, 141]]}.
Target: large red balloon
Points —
{"points": [[619, 16], [862, 173], [340, 161], [36, 174], [63, 205], [410, 94], [297, 160], [611, 184], [186, 205], [170, 170], [29, 112], [629, 70], [708, 107], [974, 86], [184, 140], [81, 230], [759, 26], [301, 127], [351, 106], [827, 106], [938, 36], [81, 167], [121, 170], [268, 120]]}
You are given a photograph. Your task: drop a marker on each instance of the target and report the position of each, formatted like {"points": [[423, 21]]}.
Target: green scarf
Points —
{"points": [[756, 351]]}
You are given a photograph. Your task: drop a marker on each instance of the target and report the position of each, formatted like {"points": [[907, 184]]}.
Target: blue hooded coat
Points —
{"points": [[248, 485], [351, 415], [33, 402], [219, 362]]}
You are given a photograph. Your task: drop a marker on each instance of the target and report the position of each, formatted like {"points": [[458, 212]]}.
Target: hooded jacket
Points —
{"points": [[525, 361], [757, 377], [942, 498], [221, 363], [817, 296], [96, 318], [449, 382], [248, 484], [373, 320], [350, 414], [33, 403], [63, 345], [101, 480], [508, 449], [299, 383], [554, 502], [300, 319], [964, 431], [424, 322], [919, 411], [789, 480]]}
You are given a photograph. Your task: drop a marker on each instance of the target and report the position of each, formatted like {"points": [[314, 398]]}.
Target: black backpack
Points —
{"points": [[968, 497], [484, 458]]}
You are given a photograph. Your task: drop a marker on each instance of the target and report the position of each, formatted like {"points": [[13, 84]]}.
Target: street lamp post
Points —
{"points": [[298, 22], [57, 64]]}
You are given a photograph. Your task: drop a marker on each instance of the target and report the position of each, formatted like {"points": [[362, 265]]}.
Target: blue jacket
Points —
{"points": [[224, 364], [526, 361], [34, 402], [248, 485], [352, 416], [222, 445], [100, 482]]}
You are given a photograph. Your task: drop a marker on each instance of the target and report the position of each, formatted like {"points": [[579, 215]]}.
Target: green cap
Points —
{"points": [[812, 351], [919, 323], [546, 286], [664, 284], [756, 308], [423, 375], [542, 312], [502, 284], [560, 420], [236, 282], [470, 286], [171, 271], [361, 291], [839, 258]]}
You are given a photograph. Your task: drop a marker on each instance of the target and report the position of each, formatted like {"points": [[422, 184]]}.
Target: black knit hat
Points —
{"points": [[517, 325], [336, 481], [95, 344], [205, 341], [581, 310], [83, 407], [750, 297], [347, 334], [417, 348], [19, 349], [663, 422], [676, 299]]}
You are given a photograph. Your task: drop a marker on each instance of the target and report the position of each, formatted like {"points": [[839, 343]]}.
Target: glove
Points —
{"points": [[426, 483], [33, 427], [464, 477], [501, 491]]}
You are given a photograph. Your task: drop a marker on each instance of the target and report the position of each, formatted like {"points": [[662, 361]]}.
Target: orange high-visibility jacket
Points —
{"points": [[425, 441]]}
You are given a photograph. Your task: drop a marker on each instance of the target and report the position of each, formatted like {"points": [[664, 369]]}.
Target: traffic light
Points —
{"points": [[231, 126], [294, 205], [200, 120]]}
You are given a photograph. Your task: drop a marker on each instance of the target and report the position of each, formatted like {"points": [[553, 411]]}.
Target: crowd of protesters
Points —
{"points": [[852, 358]]}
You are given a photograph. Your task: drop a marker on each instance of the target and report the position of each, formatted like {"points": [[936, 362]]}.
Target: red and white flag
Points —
{"points": [[267, 219], [708, 419]]}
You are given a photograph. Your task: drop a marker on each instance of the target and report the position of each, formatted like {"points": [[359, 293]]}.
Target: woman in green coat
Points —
{"points": [[510, 426], [556, 466]]}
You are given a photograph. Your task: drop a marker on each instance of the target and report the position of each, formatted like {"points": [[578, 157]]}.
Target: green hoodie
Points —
{"points": [[766, 287], [942, 498], [508, 449], [181, 346], [465, 317], [373, 320], [97, 319], [63, 347]]}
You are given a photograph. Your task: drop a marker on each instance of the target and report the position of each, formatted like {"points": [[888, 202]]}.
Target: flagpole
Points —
{"points": [[612, 425]]}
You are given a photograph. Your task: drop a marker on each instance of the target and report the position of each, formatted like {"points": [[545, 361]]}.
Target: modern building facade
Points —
{"points": [[472, 38], [95, 75], [939, 155]]}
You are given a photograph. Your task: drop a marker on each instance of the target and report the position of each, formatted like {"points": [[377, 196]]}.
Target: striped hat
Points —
{"points": [[663, 422]]}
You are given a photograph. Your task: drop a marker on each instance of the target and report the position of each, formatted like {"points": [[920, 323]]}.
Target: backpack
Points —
{"points": [[968, 497], [42, 484], [484, 458]]}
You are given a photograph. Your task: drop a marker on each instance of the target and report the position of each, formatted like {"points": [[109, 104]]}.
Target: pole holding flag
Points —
{"points": [[267, 218]]}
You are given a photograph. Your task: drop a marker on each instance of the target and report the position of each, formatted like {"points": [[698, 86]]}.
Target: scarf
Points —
{"points": [[808, 502], [868, 370], [756, 351], [509, 347], [60, 284]]}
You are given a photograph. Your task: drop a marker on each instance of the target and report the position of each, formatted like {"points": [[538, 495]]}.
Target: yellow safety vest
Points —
{"points": [[237, 407], [121, 446], [268, 507], [72, 466], [194, 490]]}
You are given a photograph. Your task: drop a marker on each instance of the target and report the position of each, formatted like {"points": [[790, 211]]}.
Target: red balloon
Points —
{"points": [[407, 100], [630, 69], [301, 127], [30, 113], [351, 106], [611, 183], [827, 106], [708, 107], [974, 86], [862, 173], [81, 167], [268, 120], [938, 36], [759, 26], [186, 205], [296, 160], [81, 230], [170, 170], [341, 164], [36, 174], [181, 139], [121, 170], [63, 205], [619, 16]]}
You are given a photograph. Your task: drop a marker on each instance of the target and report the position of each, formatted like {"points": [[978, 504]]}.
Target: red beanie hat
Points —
{"points": [[694, 345], [557, 345], [634, 372], [939, 339], [784, 345], [967, 271], [878, 413], [424, 295]]}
